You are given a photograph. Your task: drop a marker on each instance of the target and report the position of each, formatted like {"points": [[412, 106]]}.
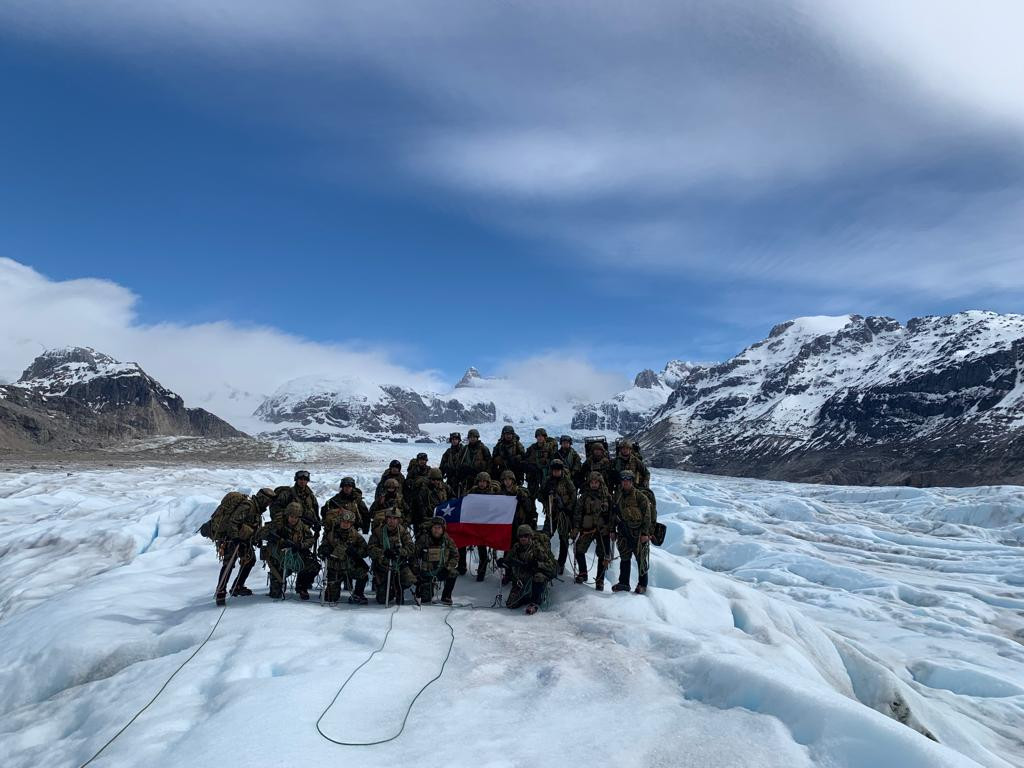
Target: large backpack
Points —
{"points": [[590, 442], [217, 526]]}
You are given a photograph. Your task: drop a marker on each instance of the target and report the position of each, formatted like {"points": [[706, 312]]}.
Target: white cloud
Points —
{"points": [[563, 377], [223, 367]]}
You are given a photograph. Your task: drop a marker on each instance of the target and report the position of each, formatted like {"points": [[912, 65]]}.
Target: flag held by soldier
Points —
{"points": [[484, 519]]}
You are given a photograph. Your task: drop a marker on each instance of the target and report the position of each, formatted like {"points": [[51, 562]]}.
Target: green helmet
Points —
{"points": [[392, 512], [302, 474], [438, 521], [595, 477], [508, 474], [565, 439], [293, 510], [540, 432], [434, 474], [524, 530], [265, 495], [473, 433], [508, 429], [627, 475], [483, 477], [391, 484], [627, 443], [347, 481], [558, 464]]}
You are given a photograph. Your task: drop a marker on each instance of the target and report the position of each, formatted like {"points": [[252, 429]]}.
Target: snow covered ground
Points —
{"points": [[788, 626]]}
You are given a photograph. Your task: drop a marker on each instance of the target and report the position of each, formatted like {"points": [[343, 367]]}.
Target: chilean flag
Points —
{"points": [[479, 518]]}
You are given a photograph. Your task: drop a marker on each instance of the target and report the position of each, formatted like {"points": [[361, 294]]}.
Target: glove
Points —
{"points": [[502, 562]]}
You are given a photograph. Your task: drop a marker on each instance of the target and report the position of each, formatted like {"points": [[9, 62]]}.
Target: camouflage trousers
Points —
{"points": [[627, 553], [604, 550], [558, 522], [401, 579], [344, 570], [244, 554]]}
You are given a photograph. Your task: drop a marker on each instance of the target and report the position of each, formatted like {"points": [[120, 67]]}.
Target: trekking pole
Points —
{"points": [[387, 592], [222, 583]]}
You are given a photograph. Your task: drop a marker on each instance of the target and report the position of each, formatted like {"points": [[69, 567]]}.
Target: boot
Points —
{"points": [[238, 589], [599, 584], [462, 561], [640, 589], [531, 609], [241, 592], [221, 598], [625, 568], [446, 593], [581, 577], [302, 593]]}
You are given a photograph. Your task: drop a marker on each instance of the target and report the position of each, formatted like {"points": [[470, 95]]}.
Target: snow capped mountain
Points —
{"points": [[856, 399], [630, 409], [78, 396]]}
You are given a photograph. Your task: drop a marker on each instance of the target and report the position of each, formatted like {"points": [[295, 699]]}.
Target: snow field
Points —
{"points": [[787, 626]]}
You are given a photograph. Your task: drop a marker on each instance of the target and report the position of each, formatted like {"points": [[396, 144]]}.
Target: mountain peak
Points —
{"points": [[646, 379], [471, 375]]}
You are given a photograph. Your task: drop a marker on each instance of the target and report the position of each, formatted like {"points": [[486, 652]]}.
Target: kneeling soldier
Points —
{"points": [[532, 565], [438, 561], [634, 529], [347, 560], [291, 551], [391, 548]]}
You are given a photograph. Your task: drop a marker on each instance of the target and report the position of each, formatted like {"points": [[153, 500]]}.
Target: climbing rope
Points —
{"points": [[157, 694]]}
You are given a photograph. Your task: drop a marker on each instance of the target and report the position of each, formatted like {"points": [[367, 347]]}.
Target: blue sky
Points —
{"points": [[479, 183]]}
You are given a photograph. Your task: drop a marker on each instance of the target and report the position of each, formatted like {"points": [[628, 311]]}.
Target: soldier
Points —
{"points": [[485, 485], [291, 543], [391, 548], [434, 492], [508, 454], [538, 460], [571, 459], [347, 561], [598, 461], [235, 541], [438, 561], [390, 498], [451, 463], [634, 533], [532, 567], [415, 475], [628, 460], [475, 459], [593, 522], [559, 498], [301, 493], [348, 497], [393, 472]]}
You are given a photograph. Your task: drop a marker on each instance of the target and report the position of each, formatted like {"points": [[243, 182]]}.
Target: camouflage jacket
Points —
{"points": [[245, 520], [415, 477], [437, 557], [432, 494], [508, 455], [604, 467], [634, 510], [382, 539], [350, 549], [538, 457], [475, 459], [562, 492], [526, 510], [533, 562], [378, 492], [594, 510], [491, 489], [573, 463], [277, 532], [384, 503], [340, 503], [310, 507], [451, 465], [634, 464]]}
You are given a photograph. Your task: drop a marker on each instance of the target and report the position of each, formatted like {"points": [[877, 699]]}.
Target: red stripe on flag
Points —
{"points": [[487, 534]]}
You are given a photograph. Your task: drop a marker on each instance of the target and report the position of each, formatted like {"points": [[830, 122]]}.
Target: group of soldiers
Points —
{"points": [[592, 501]]}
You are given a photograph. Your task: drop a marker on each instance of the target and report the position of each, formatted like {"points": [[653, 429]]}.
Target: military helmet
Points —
{"points": [[438, 521], [293, 509], [421, 455], [434, 474], [595, 476], [524, 530], [558, 464], [454, 436], [626, 475], [540, 431], [484, 476], [392, 512], [302, 474], [395, 463], [506, 474], [391, 484], [347, 516], [347, 481], [265, 494], [473, 433], [508, 429], [626, 443], [565, 439]]}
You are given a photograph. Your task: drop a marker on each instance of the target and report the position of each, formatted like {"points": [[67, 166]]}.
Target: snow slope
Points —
{"points": [[789, 626]]}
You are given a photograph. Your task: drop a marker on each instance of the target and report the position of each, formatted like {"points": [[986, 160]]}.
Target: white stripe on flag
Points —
{"points": [[488, 508]]}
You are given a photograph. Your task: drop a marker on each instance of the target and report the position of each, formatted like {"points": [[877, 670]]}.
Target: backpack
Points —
{"points": [[590, 442], [216, 527]]}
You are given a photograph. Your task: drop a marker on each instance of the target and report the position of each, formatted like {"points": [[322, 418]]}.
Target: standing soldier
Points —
{"points": [[593, 522], [628, 460], [538, 461], [598, 461], [393, 472], [291, 544], [438, 561], [559, 498], [415, 476], [390, 498], [508, 454], [532, 568], [571, 459], [634, 529], [235, 531], [434, 492], [451, 463], [347, 561], [484, 485], [299, 493], [391, 548], [476, 458]]}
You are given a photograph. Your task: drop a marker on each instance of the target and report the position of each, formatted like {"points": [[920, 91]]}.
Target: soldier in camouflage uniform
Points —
{"points": [[290, 539], [393, 472], [392, 549], [303, 495], [526, 510], [508, 454], [451, 463], [437, 562], [627, 460], [593, 522], [532, 567], [538, 460], [485, 485], [571, 459], [415, 477], [390, 498], [475, 459], [236, 543], [347, 560], [599, 462], [634, 533], [348, 497], [559, 498], [434, 492]]}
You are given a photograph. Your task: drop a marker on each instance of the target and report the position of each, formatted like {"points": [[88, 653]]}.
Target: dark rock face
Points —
{"points": [[866, 401], [646, 379], [82, 398], [434, 409]]}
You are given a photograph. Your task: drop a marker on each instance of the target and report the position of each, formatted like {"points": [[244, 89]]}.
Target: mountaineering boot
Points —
{"points": [[581, 577], [302, 593], [531, 609], [357, 597], [640, 589], [599, 584], [446, 593], [625, 567], [276, 593], [221, 598], [238, 589], [241, 592], [620, 587]]}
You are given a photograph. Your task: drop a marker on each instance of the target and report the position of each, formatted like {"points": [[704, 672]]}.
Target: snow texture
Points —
{"points": [[787, 626]]}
